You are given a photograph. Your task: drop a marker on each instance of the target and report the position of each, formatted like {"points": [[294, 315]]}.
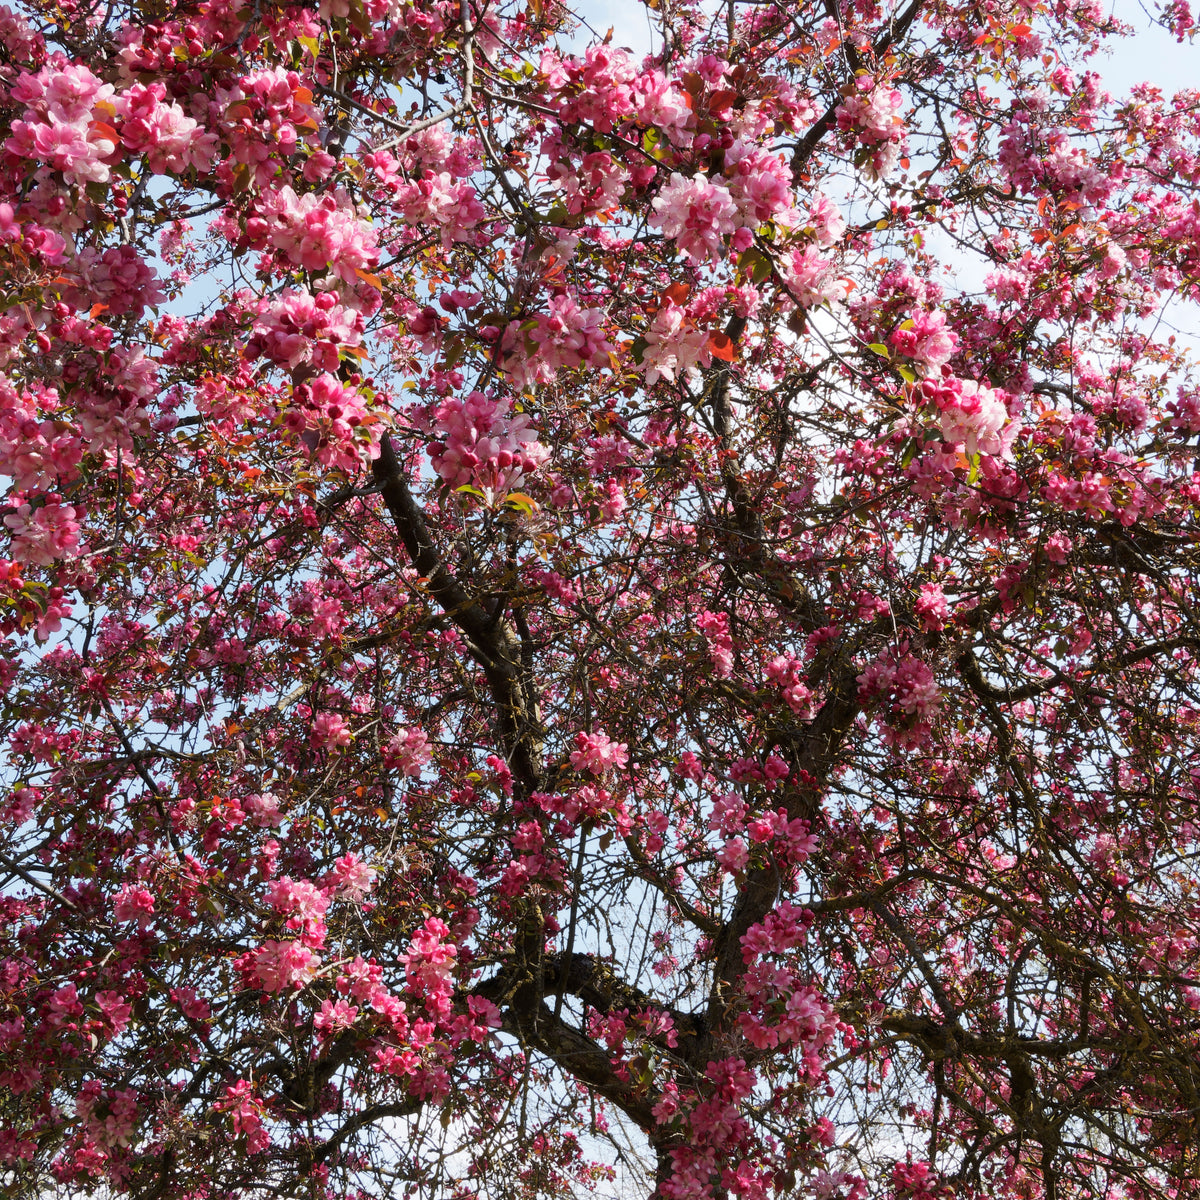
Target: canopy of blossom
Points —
{"points": [[580, 620]]}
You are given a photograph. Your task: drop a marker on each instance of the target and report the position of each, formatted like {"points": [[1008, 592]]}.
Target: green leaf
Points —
{"points": [[907, 375], [880, 349], [527, 504]]}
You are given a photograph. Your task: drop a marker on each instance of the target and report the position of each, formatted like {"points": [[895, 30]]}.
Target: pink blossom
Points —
{"points": [[319, 232], [246, 1111], [729, 811], [697, 213], [169, 138], [116, 1010], [715, 627], [597, 753], [76, 151], [109, 1116], [1058, 547], [429, 964], [925, 340], [483, 446], [351, 878], [331, 419], [63, 1005], [407, 751], [329, 732], [761, 185], [134, 904], [972, 415], [570, 336], [333, 1017], [42, 535], [809, 278], [192, 1006], [734, 855], [301, 902], [283, 965], [826, 221], [674, 345], [931, 607], [438, 200], [263, 810], [916, 691], [299, 327]]}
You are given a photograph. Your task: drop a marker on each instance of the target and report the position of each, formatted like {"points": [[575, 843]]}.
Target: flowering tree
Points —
{"points": [[567, 609]]}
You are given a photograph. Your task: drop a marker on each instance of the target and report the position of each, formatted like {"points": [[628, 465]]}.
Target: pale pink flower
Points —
{"points": [[674, 345], [483, 446], [925, 340], [407, 751], [329, 732], [280, 965], [697, 213], [351, 878], [977, 419]]}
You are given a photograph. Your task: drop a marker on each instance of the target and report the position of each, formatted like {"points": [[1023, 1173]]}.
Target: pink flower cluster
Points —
{"points": [[675, 346], [65, 124], [598, 753], [931, 607], [713, 1161], [782, 929], [162, 131], [697, 214], [45, 533], [277, 966], [925, 340], [351, 878], [482, 446], [108, 1116], [304, 905], [567, 336], [761, 186], [429, 965], [715, 627], [331, 419], [316, 232], [872, 113], [36, 451], [604, 88], [120, 279], [407, 751], [134, 904], [971, 414], [597, 185], [247, 1112], [262, 117], [299, 327], [785, 670], [439, 200], [790, 836], [330, 732], [907, 686], [809, 279]]}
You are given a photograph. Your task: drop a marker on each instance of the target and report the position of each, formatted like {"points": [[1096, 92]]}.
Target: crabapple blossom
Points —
{"points": [[696, 213], [552, 624]]}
